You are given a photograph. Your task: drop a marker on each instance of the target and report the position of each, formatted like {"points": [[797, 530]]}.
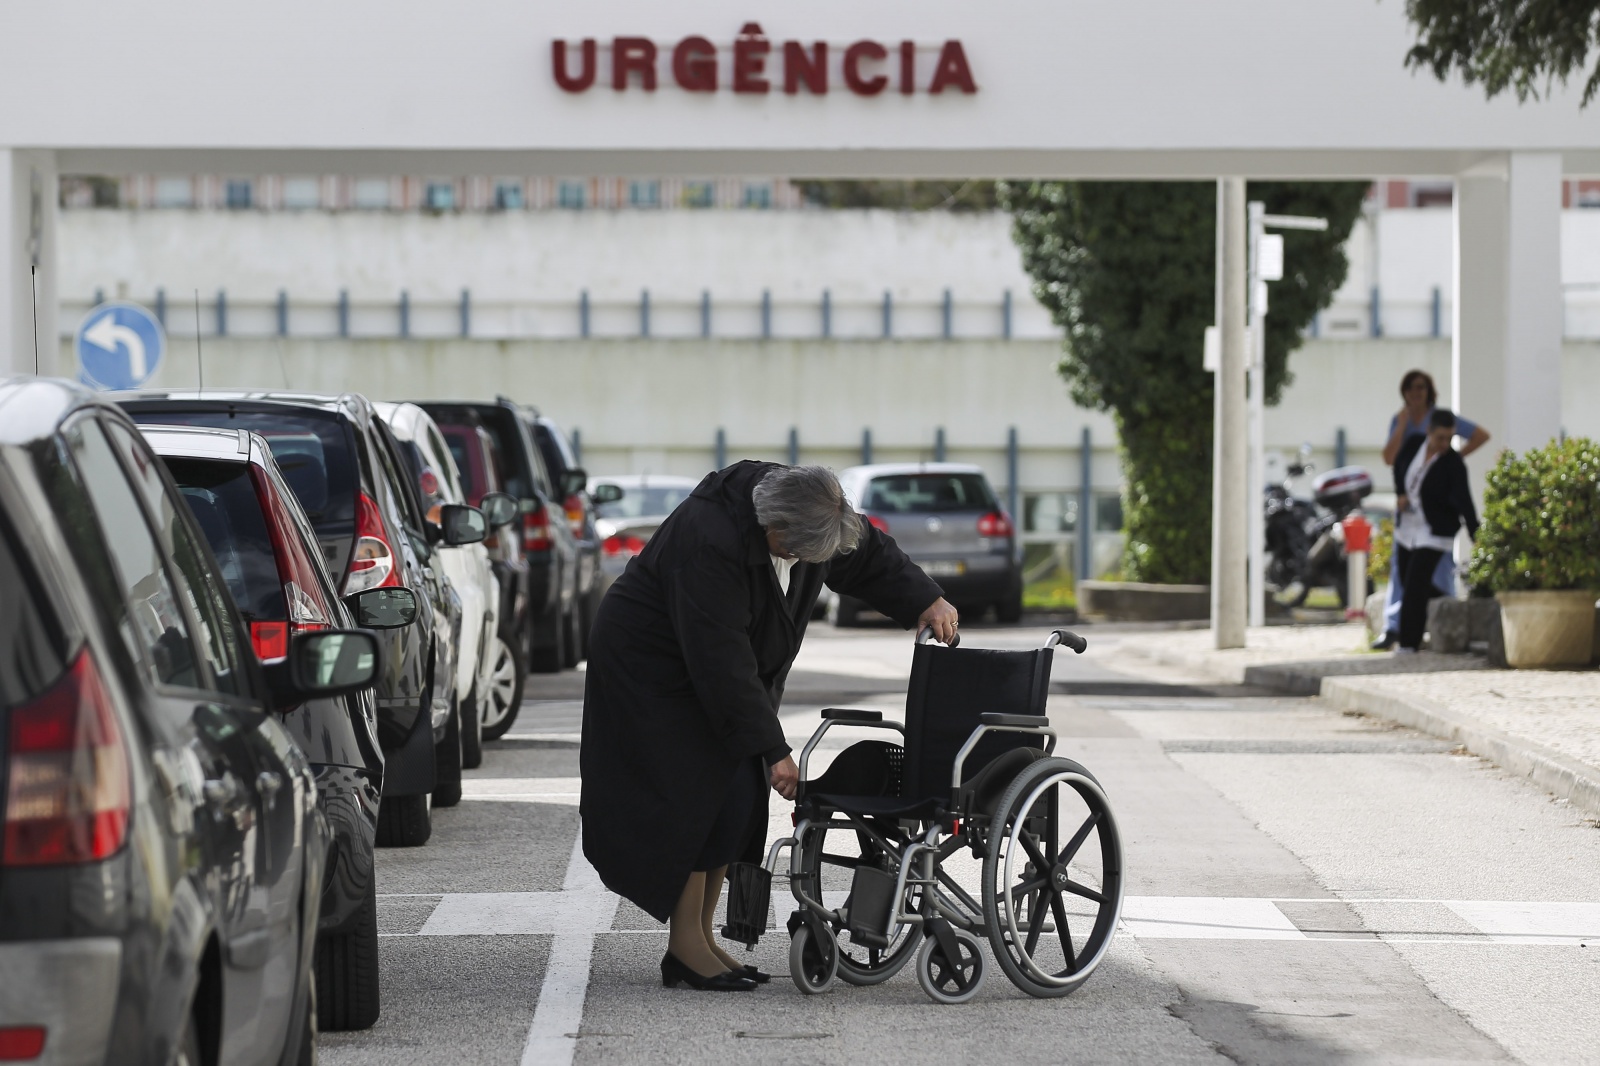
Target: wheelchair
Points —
{"points": [[884, 839]]}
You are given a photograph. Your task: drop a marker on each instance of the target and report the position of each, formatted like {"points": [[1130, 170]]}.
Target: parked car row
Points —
{"points": [[253, 636]]}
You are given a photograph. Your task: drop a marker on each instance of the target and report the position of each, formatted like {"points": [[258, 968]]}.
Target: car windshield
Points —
{"points": [[222, 497], [926, 493], [652, 501], [313, 452]]}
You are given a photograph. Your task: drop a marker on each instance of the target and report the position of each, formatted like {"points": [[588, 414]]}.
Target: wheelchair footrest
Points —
{"points": [[749, 895], [871, 906]]}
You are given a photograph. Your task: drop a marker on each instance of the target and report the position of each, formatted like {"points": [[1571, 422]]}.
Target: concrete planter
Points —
{"points": [[1547, 627], [1134, 601]]}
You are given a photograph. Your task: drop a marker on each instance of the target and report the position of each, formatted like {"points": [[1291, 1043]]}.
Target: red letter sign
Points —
{"points": [[694, 65], [750, 60], [852, 68], [633, 54], [952, 70], [585, 78], [798, 67]]}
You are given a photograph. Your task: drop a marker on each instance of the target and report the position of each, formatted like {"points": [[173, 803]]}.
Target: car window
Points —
{"points": [[645, 502], [459, 442], [402, 487], [222, 498], [541, 475], [549, 452], [146, 610], [928, 492], [313, 449], [31, 644], [196, 583], [445, 464]]}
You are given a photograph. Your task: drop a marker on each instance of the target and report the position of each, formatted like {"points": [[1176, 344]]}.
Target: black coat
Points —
{"points": [[687, 662], [1445, 497]]}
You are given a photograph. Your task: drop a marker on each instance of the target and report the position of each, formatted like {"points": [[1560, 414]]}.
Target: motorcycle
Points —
{"points": [[1305, 538]]}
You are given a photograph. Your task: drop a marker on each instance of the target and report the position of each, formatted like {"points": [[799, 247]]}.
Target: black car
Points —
{"points": [[272, 565], [163, 850], [343, 465], [551, 550], [573, 480]]}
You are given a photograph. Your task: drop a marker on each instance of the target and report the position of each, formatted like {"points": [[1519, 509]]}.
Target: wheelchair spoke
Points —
{"points": [[1036, 920], [1018, 891], [1059, 909], [1078, 838], [1085, 891], [1030, 843]]}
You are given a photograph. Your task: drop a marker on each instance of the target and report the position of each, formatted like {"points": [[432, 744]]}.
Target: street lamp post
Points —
{"points": [[1266, 264]]}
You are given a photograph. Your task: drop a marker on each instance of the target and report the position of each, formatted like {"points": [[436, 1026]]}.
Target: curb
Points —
{"points": [[1576, 782]]}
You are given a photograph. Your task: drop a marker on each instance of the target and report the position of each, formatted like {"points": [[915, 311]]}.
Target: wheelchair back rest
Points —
{"points": [[950, 688]]}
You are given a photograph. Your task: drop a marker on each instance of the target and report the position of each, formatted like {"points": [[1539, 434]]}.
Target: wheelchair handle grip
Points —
{"points": [[850, 714], [1069, 639], [925, 634]]}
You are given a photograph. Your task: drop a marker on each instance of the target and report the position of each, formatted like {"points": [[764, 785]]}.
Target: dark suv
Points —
{"points": [[163, 849], [343, 466], [549, 546], [573, 480]]}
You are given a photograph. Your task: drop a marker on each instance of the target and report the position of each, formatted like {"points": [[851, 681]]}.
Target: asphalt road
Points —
{"points": [[1302, 887]]}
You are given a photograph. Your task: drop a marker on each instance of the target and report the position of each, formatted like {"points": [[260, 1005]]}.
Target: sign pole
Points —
{"points": [[1258, 413], [1228, 529]]}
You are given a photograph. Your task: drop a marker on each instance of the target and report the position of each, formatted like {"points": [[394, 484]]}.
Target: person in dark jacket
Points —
{"points": [[687, 662], [1434, 502]]}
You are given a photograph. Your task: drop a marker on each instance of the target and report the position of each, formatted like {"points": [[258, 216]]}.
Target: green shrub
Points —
{"points": [[1541, 520], [1382, 553]]}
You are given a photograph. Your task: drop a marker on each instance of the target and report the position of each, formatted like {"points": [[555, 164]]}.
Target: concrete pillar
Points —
{"points": [[1506, 351], [1229, 519], [28, 197]]}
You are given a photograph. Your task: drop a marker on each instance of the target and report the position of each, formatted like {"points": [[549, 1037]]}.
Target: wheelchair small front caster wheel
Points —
{"points": [[813, 960], [948, 980]]}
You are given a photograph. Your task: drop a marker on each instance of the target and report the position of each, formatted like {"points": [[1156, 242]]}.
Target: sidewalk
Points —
{"points": [[1543, 725]]}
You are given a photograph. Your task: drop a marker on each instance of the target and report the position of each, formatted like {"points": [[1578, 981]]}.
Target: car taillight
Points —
{"points": [[877, 523], [536, 530], [373, 564], [622, 544], [270, 640], [994, 524], [20, 1043], [577, 515], [68, 796]]}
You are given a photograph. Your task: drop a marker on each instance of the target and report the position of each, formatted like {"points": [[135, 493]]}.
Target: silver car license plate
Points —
{"points": [[944, 568]]}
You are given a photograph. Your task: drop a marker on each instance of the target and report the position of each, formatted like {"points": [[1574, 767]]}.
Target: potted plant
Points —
{"points": [[1538, 551]]}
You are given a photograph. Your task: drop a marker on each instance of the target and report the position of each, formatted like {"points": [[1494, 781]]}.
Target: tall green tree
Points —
{"points": [[1127, 269], [1507, 44]]}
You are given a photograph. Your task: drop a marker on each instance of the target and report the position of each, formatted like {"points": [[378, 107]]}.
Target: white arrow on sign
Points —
{"points": [[107, 334]]}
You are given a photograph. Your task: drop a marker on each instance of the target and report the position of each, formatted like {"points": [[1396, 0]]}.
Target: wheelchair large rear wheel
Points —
{"points": [[826, 873], [1052, 878]]}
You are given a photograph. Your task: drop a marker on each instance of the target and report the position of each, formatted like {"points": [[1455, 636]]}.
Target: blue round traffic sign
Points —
{"points": [[119, 346]]}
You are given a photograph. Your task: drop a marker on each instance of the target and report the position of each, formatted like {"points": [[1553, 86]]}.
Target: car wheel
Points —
{"points": [[504, 697], [472, 732], [404, 821], [843, 612], [347, 969], [550, 658], [447, 762]]}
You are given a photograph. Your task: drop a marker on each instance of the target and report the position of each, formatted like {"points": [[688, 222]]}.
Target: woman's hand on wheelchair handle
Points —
{"points": [[943, 618], [785, 777]]}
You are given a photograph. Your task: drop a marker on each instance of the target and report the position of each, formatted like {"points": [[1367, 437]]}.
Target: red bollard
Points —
{"points": [[1357, 543]]}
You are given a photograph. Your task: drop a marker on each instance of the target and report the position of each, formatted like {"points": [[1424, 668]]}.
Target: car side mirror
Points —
{"points": [[605, 492], [328, 662], [498, 509], [574, 482], [383, 608], [461, 524]]}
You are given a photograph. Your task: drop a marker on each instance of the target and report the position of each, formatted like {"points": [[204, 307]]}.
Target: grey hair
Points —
{"points": [[807, 504]]}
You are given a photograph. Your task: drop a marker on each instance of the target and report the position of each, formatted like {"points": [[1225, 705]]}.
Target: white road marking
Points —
{"points": [[584, 909], [1206, 918], [552, 1038], [1532, 923], [559, 790]]}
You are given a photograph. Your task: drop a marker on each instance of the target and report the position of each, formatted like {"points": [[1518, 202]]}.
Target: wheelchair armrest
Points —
{"points": [[1014, 719], [849, 714]]}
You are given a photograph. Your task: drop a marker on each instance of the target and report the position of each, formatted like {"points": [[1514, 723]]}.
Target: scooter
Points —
{"points": [[1305, 538]]}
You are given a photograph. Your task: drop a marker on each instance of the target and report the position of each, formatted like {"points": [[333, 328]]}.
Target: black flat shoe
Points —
{"points": [[674, 972], [753, 974], [1387, 641]]}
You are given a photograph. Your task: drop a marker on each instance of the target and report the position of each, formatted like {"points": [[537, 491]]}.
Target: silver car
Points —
{"points": [[628, 508], [948, 519]]}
